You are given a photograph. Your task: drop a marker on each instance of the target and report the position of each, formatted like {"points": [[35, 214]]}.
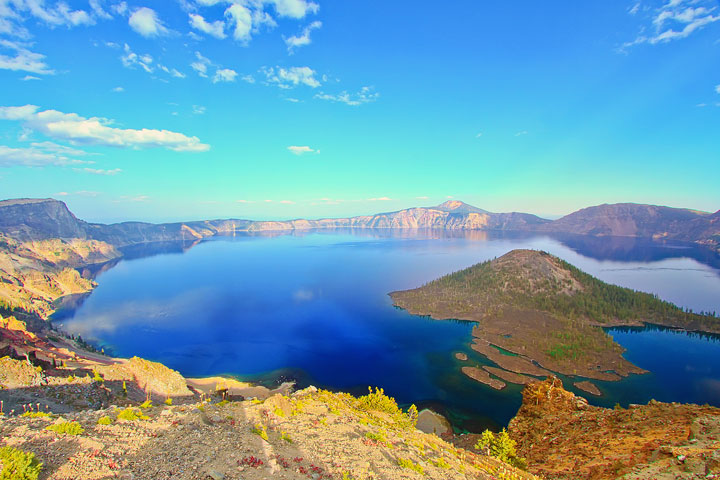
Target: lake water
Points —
{"points": [[313, 307]]}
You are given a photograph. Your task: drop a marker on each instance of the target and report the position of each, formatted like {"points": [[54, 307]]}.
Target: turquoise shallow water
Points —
{"points": [[314, 308]]}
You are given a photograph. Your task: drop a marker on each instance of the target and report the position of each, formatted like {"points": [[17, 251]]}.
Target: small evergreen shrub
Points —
{"points": [[130, 414], [67, 428], [35, 414], [18, 465], [407, 463], [104, 420], [500, 446]]}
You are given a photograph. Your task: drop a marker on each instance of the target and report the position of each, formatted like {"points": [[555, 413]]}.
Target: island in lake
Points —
{"points": [[537, 314]]}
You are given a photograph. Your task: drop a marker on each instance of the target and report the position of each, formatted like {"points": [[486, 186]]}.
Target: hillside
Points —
{"points": [[644, 221], [564, 438], [546, 312], [105, 427]]}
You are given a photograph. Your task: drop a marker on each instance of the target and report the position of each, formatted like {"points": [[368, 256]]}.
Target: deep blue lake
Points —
{"points": [[314, 307]]}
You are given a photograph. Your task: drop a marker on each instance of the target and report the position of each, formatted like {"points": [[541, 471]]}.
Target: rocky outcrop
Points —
{"points": [[156, 378], [562, 437]]}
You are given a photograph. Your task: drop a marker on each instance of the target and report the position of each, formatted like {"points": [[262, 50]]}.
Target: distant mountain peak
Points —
{"points": [[456, 206]]}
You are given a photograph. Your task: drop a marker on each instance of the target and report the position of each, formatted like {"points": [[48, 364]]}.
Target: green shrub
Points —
{"points": [[18, 465], [104, 420], [36, 414], [441, 463], [260, 431], [146, 404], [380, 402], [500, 446], [130, 414], [407, 463], [168, 401], [376, 437], [67, 428], [97, 377]]}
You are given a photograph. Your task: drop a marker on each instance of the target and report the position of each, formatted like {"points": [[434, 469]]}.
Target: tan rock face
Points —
{"points": [[156, 378], [563, 437]]}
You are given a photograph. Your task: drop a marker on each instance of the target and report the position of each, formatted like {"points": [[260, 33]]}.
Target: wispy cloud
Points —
{"points": [[22, 59], [146, 22], [215, 29], [34, 156], [131, 59], [379, 199], [521, 133], [97, 131], [198, 109], [365, 95], [673, 20], [99, 171], [301, 150], [291, 77], [303, 39], [224, 75], [244, 19]]}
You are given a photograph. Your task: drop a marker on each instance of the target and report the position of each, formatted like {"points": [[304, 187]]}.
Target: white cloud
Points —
{"points": [[717, 89], [422, 198], [676, 19], [224, 75], [302, 39], [478, 135], [120, 8], [287, 202], [300, 150], [23, 59], [521, 133], [33, 156], [380, 199], [215, 29], [171, 71], [365, 95], [98, 10], [248, 78], [98, 171], [201, 65], [27, 78], [291, 77], [243, 20], [79, 130], [131, 59], [145, 21], [59, 149], [118, 89], [198, 109], [294, 8]]}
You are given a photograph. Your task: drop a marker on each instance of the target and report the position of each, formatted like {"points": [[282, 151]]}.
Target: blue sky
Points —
{"points": [[189, 109]]}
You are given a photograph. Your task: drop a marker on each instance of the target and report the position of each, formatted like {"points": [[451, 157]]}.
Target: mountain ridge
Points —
{"points": [[40, 219]]}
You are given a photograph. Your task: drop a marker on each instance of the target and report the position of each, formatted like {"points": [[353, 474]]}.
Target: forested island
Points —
{"points": [[538, 314]]}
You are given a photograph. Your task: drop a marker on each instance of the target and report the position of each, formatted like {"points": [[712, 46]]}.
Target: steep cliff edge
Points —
{"points": [[562, 437]]}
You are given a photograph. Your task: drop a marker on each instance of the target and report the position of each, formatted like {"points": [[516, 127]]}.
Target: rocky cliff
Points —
{"points": [[562, 437], [40, 219]]}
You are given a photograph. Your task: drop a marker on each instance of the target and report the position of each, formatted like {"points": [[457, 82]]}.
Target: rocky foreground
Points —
{"points": [[87, 416], [562, 437]]}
